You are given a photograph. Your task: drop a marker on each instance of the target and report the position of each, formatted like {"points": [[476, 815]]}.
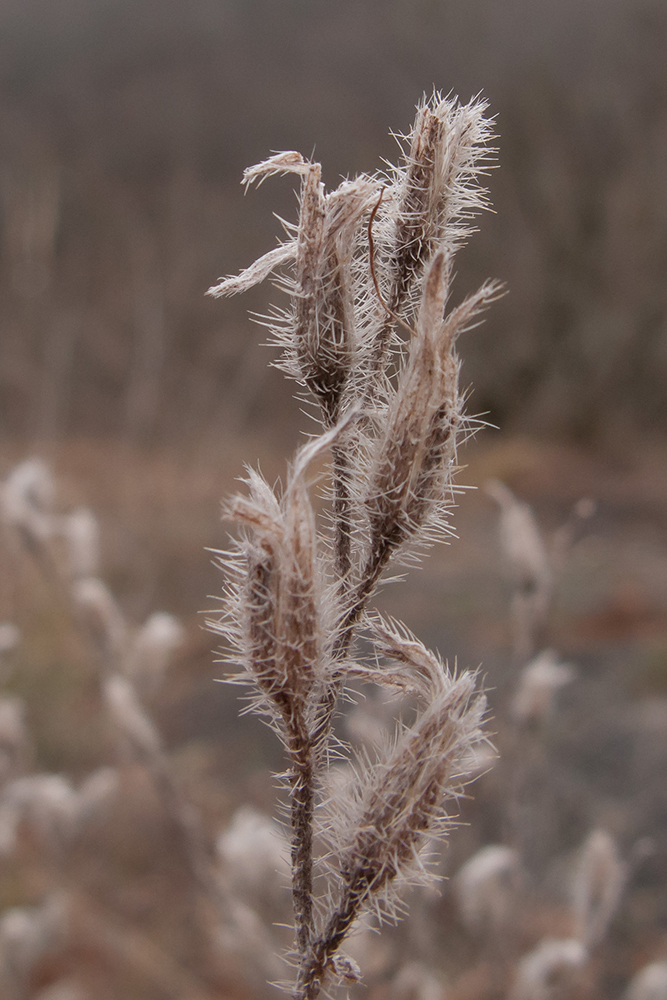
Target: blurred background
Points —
{"points": [[124, 131], [125, 126]]}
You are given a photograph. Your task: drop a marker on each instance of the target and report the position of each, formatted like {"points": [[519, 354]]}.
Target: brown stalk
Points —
{"points": [[295, 650]]}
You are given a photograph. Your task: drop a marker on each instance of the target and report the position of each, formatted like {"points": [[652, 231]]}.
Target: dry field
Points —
{"points": [[598, 762]]}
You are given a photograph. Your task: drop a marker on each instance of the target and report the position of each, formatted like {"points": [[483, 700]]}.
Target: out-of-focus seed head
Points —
{"points": [[539, 683], [488, 889], [650, 983], [28, 497], [103, 617], [151, 650], [598, 886], [550, 971], [81, 532], [129, 717]]}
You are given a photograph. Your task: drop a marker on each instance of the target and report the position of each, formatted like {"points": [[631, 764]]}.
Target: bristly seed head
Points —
{"points": [[363, 260]]}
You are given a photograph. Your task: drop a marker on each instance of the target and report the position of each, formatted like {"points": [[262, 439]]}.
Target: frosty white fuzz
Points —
{"points": [[129, 716], [363, 264], [650, 983], [103, 617], [598, 886], [152, 648], [28, 495], [48, 803], [46, 809], [81, 531], [521, 539], [539, 683], [487, 887], [416, 982], [51, 808], [531, 567], [550, 971], [27, 934], [255, 852], [10, 637]]}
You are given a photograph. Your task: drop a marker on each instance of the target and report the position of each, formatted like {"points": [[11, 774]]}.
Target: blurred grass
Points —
{"points": [[160, 509]]}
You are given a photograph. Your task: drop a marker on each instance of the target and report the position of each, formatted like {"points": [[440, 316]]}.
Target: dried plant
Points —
{"points": [[131, 662], [365, 265], [601, 879], [498, 890], [650, 983], [488, 889], [26, 933], [539, 683], [535, 563], [551, 971]]}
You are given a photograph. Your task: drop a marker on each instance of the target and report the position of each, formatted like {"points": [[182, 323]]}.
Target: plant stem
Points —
{"points": [[342, 514], [302, 810]]}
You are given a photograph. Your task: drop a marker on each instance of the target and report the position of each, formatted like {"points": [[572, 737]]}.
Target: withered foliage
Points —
{"points": [[363, 264]]}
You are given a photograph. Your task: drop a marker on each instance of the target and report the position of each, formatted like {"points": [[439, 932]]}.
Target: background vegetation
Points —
{"points": [[124, 129]]}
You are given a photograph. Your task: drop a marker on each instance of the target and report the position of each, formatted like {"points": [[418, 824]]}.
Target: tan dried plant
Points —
{"points": [[369, 335]]}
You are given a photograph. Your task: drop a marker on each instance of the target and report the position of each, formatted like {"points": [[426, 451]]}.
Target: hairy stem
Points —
{"points": [[373, 570], [314, 966], [341, 647], [302, 809], [342, 514]]}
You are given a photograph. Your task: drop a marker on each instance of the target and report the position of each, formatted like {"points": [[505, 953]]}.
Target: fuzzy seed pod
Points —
{"points": [[550, 971], [530, 567], [376, 835], [416, 982], [650, 983], [488, 887], [255, 855], [28, 496], [274, 619], [81, 532], [357, 261], [431, 200], [280, 634], [437, 192], [10, 636], [103, 617], [521, 541], [48, 804], [318, 334], [410, 478], [400, 802], [151, 650], [539, 683], [129, 717], [323, 346], [598, 886], [27, 935]]}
